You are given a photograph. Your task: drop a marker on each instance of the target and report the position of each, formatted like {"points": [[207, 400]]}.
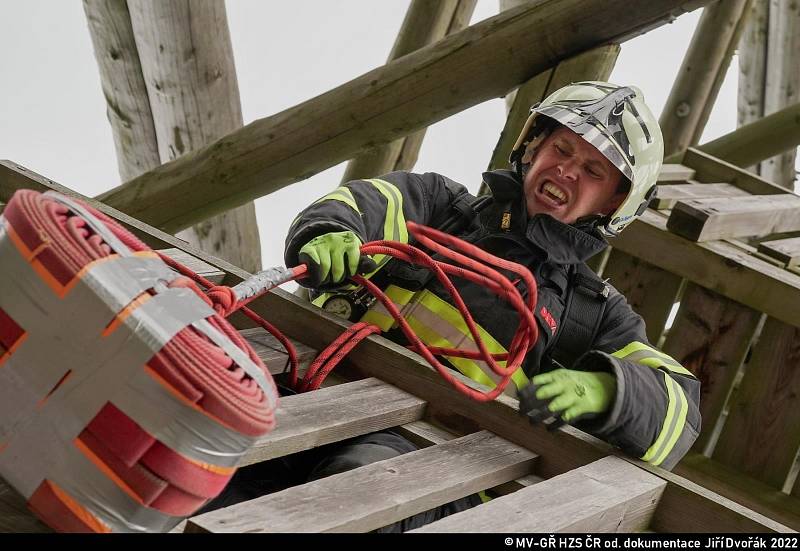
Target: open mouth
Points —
{"points": [[553, 194]]}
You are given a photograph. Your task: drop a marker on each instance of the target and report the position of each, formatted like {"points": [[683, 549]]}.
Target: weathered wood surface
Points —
{"points": [[769, 75], [673, 172], [481, 62], [14, 514], [194, 99], [609, 495], [711, 169], [704, 66], [649, 290], [759, 140], [312, 419], [730, 217], [199, 267], [761, 436], [746, 491], [425, 23], [272, 353], [127, 103], [710, 337], [595, 64], [669, 195], [378, 494], [786, 250]]}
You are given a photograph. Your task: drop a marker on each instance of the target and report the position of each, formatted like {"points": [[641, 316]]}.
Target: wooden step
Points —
{"points": [[378, 494], [608, 495]]}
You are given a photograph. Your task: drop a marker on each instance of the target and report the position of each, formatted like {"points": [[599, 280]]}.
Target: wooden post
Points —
{"points": [[769, 75], [483, 61], [167, 95], [759, 140], [425, 23], [128, 107], [704, 66]]}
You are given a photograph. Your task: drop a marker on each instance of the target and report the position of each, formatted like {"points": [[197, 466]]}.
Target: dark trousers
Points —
{"points": [[278, 474]]}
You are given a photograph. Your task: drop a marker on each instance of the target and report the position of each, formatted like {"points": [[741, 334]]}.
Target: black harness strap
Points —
{"points": [[583, 311]]}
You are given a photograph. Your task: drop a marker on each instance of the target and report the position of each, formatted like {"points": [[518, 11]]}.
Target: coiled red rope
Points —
{"points": [[470, 263]]}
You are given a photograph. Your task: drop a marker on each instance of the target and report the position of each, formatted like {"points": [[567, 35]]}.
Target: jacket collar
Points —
{"points": [[558, 242]]}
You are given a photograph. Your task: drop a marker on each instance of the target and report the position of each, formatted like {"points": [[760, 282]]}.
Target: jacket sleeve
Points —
{"points": [[655, 414], [374, 209]]}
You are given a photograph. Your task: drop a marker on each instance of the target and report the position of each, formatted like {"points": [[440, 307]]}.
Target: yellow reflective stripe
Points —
{"points": [[674, 421], [452, 317], [683, 409], [484, 496], [320, 300], [647, 355], [379, 315], [394, 225], [343, 195], [465, 366]]}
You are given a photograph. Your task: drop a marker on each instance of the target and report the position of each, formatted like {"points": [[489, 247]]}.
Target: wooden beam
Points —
{"points": [[609, 495], [336, 413], [425, 23], [701, 74], [716, 265], [672, 172], [127, 103], [201, 268], [272, 353], [481, 62], [710, 337], [759, 140], [786, 250], [712, 169], [380, 493], [194, 98], [669, 195], [730, 217], [649, 290], [595, 64], [769, 75], [761, 436], [744, 490]]}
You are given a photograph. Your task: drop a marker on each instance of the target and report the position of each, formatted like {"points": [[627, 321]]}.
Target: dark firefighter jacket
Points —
{"points": [[654, 415]]}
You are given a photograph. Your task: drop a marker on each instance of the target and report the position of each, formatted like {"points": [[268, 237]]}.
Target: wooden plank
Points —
{"points": [[712, 169], [609, 495], [746, 491], [336, 413], [761, 436], [211, 273], [669, 195], [650, 291], [786, 250], [272, 352], [424, 434], [710, 337], [380, 493], [481, 62], [674, 172], [728, 217]]}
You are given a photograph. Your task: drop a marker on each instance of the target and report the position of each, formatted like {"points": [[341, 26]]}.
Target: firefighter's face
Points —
{"points": [[569, 179]]}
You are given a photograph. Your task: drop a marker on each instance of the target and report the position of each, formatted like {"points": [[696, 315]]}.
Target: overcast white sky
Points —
{"points": [[53, 115]]}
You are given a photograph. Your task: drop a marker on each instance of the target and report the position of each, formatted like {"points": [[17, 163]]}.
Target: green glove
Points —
{"points": [[331, 257], [575, 393]]}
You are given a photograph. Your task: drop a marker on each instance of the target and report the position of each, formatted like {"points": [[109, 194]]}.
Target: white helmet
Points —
{"points": [[616, 121]]}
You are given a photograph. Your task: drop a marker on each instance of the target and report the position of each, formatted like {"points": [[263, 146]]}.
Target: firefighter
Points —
{"points": [[583, 168]]}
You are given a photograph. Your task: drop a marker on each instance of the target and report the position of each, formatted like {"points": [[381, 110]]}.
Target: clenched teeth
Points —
{"points": [[553, 190]]}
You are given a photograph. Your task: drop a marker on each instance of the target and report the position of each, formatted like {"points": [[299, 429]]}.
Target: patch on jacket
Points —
{"points": [[548, 319]]}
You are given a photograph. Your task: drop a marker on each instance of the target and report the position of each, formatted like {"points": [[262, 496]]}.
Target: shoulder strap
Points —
{"points": [[584, 306]]}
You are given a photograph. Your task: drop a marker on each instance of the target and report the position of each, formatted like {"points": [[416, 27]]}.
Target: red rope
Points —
{"points": [[469, 262]]}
